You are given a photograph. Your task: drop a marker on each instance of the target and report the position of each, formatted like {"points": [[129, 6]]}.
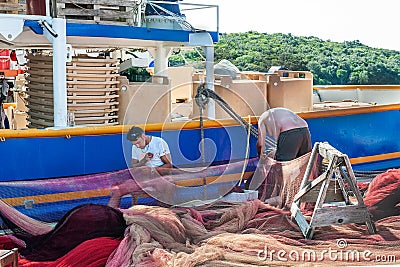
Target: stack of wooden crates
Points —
{"points": [[92, 90], [124, 12], [12, 6], [99, 11]]}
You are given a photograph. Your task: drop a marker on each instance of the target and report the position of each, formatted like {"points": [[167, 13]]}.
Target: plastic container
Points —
{"points": [[247, 195], [4, 59], [36, 7]]}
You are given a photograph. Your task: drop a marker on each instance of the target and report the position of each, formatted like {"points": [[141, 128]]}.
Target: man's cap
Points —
{"points": [[134, 133]]}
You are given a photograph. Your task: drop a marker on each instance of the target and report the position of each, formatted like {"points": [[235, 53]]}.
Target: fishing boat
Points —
{"points": [[61, 150]]}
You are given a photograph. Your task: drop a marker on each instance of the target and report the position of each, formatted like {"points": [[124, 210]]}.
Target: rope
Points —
{"points": [[205, 201], [202, 101], [246, 157], [203, 161]]}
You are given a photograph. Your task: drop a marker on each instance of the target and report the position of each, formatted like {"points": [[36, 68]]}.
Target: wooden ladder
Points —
{"points": [[332, 203]]}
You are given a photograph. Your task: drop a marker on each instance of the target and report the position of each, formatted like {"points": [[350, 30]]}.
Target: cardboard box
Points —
{"points": [[245, 97], [292, 93], [141, 103]]}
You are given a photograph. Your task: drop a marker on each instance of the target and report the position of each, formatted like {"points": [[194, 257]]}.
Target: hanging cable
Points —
{"points": [[201, 101]]}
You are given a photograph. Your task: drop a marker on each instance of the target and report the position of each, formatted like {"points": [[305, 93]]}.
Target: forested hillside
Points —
{"points": [[349, 62]]}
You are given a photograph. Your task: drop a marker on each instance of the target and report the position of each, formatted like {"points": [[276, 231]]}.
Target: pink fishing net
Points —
{"points": [[220, 234]]}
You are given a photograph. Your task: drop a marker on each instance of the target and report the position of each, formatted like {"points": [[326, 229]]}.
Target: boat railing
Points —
{"points": [[376, 94], [138, 13]]}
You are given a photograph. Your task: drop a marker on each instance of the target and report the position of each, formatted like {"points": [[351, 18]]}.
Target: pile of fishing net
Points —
{"points": [[253, 233], [383, 195], [221, 234]]}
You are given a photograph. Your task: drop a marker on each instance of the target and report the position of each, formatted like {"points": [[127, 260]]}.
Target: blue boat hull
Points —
{"points": [[31, 158], [369, 139]]}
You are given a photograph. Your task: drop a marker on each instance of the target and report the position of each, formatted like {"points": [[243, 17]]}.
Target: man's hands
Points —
{"points": [[145, 159]]}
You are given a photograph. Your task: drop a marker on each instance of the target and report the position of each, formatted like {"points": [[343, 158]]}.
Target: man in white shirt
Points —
{"points": [[147, 150]]}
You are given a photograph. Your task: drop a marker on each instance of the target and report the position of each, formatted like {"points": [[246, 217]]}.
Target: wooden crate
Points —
{"points": [[41, 94], [39, 87], [40, 108], [12, 6], [38, 122], [35, 65], [104, 119], [40, 57], [74, 68], [95, 112], [39, 101], [83, 61], [92, 90], [36, 79], [92, 106], [91, 99], [98, 11]]}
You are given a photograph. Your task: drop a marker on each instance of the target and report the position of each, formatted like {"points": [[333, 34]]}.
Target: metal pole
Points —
{"points": [[209, 51], [161, 61], [59, 72]]}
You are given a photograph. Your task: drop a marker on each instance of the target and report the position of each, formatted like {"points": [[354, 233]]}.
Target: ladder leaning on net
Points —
{"points": [[332, 205]]}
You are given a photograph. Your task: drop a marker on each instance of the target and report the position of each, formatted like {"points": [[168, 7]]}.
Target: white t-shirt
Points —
{"points": [[157, 146]]}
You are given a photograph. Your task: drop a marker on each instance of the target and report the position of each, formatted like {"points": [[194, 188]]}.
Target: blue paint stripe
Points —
{"points": [[122, 31]]}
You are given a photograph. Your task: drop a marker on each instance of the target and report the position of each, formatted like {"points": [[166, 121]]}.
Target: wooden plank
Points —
{"points": [[93, 92], [87, 106], [106, 60], [39, 101], [40, 122], [308, 187], [339, 215], [33, 86], [40, 73], [91, 99], [40, 108], [99, 118], [86, 11], [41, 94], [12, 8], [89, 90], [301, 220], [96, 122], [92, 77], [332, 195], [83, 76], [340, 180], [94, 69], [91, 86], [40, 80], [33, 65], [92, 64], [94, 113], [39, 58], [102, 13], [127, 3], [324, 186], [39, 115]]}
